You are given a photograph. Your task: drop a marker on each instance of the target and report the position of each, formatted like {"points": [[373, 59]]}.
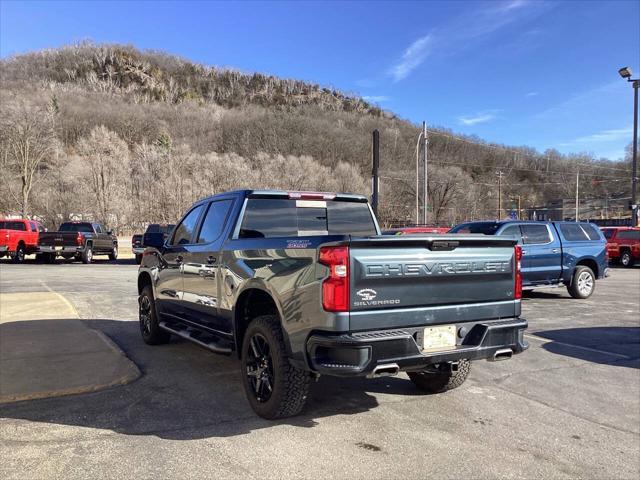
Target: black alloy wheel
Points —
{"points": [[260, 368], [145, 316]]}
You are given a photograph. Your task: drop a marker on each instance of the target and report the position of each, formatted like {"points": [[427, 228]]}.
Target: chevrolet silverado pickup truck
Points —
{"points": [[302, 284], [572, 254], [159, 230], [79, 241], [623, 244], [19, 238]]}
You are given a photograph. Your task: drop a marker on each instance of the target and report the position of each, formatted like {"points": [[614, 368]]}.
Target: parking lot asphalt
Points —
{"points": [[568, 407]]}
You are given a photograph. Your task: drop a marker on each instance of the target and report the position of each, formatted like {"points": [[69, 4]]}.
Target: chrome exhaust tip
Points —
{"points": [[502, 354], [387, 370]]}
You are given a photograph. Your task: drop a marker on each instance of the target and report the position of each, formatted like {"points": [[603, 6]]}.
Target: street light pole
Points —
{"points": [[625, 73], [425, 140], [634, 165]]}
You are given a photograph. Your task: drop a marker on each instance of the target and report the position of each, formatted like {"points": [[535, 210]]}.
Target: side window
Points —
{"points": [[532, 234], [183, 232], [214, 221], [591, 231], [629, 234], [34, 227], [573, 232], [512, 230], [97, 228]]}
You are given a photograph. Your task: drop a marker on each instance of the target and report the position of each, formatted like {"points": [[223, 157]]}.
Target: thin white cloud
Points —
{"points": [[532, 94], [412, 57], [460, 33], [482, 117], [376, 98], [613, 135]]}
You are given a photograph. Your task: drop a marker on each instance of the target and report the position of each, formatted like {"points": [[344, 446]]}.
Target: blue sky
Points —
{"points": [[518, 72]]}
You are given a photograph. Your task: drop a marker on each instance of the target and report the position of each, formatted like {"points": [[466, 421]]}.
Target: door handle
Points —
{"points": [[211, 259], [555, 250], [179, 259], [524, 252]]}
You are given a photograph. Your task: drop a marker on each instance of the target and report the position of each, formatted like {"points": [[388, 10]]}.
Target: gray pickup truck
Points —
{"points": [[302, 284]]}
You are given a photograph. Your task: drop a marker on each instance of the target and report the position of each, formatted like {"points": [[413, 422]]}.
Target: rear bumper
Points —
{"points": [[358, 354], [60, 250]]}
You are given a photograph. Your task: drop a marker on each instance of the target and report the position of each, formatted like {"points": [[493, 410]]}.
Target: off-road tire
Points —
{"points": [[626, 260], [290, 385], [20, 253], [580, 275], [113, 256], [439, 382], [138, 258], [87, 254], [151, 332]]}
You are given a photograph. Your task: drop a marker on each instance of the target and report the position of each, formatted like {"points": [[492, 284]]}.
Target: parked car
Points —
{"points": [[19, 238], [302, 284], [623, 244], [573, 254], [415, 230], [155, 232], [78, 240]]}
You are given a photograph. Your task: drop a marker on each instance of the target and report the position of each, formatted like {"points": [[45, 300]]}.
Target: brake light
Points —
{"points": [[79, 239], [517, 290], [335, 288], [312, 195]]}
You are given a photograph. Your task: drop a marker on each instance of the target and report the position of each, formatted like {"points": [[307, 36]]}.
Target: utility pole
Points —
{"points": [[577, 197], [374, 172], [500, 173], [425, 141], [418, 177]]}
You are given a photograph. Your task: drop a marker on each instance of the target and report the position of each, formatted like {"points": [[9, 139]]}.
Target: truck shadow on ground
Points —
{"points": [[618, 346], [186, 392]]}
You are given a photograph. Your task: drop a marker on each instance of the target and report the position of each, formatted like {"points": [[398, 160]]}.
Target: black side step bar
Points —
{"points": [[199, 337]]}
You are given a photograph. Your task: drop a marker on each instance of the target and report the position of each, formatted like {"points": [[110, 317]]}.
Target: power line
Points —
{"points": [[521, 153]]}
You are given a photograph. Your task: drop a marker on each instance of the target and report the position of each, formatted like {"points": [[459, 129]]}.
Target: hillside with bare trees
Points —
{"points": [[128, 137]]}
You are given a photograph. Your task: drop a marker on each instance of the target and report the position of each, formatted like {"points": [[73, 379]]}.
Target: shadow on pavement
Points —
{"points": [[186, 392], [618, 346], [555, 293]]}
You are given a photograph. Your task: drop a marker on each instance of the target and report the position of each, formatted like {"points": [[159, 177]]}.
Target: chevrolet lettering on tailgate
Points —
{"points": [[434, 268]]}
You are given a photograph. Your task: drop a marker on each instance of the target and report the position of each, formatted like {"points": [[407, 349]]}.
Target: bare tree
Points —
{"points": [[108, 158], [28, 139]]}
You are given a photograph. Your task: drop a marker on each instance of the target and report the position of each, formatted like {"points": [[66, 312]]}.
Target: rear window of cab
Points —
{"points": [[277, 217]]}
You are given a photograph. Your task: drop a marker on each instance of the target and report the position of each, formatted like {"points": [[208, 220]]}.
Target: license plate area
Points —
{"points": [[442, 337]]}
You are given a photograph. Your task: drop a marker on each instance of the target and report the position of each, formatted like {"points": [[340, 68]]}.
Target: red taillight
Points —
{"points": [[335, 288], [517, 290], [79, 239]]}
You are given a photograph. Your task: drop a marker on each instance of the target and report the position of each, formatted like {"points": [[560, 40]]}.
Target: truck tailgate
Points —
{"points": [[57, 239], [430, 271]]}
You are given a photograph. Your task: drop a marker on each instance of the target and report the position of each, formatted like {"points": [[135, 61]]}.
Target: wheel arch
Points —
{"points": [[588, 262], [253, 302], [144, 279]]}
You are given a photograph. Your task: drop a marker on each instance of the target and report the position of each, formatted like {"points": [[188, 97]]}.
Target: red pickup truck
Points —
{"points": [[623, 244], [19, 238]]}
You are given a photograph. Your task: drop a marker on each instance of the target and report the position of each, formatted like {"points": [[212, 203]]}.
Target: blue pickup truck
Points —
{"points": [[573, 254]]}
